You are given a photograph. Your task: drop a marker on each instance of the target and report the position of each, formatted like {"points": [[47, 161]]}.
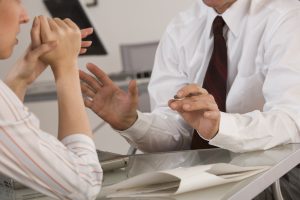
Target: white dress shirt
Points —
{"points": [[263, 99], [64, 170]]}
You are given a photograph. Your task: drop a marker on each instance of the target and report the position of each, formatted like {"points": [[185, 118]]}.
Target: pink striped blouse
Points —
{"points": [[67, 169]]}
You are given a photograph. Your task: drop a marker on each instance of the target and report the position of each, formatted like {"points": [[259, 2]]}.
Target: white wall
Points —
{"points": [[117, 22]]}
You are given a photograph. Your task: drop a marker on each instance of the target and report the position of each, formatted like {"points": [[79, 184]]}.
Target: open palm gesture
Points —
{"points": [[107, 100]]}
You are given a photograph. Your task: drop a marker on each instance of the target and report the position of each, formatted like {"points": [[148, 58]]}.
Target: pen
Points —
{"points": [[189, 95]]}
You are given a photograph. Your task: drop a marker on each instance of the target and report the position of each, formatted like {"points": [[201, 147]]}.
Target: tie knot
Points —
{"points": [[218, 25]]}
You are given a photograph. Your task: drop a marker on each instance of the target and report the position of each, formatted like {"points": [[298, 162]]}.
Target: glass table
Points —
{"points": [[281, 159]]}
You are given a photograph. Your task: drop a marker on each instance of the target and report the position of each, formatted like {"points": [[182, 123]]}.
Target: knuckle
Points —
{"points": [[67, 19], [211, 97]]}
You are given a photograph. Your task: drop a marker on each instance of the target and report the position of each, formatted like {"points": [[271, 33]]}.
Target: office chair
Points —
{"points": [[138, 61]]}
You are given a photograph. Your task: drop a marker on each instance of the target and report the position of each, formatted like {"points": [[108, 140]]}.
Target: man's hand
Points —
{"points": [[107, 100], [199, 110]]}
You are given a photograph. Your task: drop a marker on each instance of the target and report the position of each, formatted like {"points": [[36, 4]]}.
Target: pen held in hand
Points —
{"points": [[177, 98]]}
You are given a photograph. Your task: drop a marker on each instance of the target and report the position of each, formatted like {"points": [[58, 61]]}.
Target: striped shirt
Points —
{"points": [[67, 169]]}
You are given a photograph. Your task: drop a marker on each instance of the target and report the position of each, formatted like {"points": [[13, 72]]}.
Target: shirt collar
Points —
{"points": [[233, 16]]}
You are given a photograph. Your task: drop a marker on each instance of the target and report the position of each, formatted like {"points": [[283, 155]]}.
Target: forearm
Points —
{"points": [[37, 154], [72, 114], [256, 131], [18, 86], [158, 132]]}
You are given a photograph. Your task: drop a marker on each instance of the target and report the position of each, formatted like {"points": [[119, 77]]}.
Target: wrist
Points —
{"points": [[126, 123], [62, 69], [17, 85]]}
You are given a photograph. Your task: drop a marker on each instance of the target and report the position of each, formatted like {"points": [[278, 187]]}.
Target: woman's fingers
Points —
{"points": [[70, 23], [60, 23], [35, 33], [85, 44], [45, 29], [41, 50], [82, 51], [86, 32]]}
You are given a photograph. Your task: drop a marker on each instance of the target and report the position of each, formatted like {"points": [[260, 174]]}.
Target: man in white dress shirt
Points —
{"points": [[66, 167], [263, 81]]}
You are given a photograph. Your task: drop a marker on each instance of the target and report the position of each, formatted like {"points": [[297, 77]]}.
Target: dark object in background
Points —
{"points": [[92, 3], [72, 9]]}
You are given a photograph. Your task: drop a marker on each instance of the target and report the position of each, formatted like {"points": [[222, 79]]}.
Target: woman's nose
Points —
{"points": [[24, 18]]}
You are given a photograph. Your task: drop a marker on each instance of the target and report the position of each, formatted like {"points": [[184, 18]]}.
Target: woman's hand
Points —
{"points": [[67, 36], [30, 66]]}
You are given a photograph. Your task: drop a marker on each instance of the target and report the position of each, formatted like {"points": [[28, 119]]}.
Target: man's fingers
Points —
{"points": [[199, 106], [86, 90], [86, 32], [101, 75], [94, 84], [191, 90], [213, 115], [133, 89], [196, 103], [35, 33], [88, 103]]}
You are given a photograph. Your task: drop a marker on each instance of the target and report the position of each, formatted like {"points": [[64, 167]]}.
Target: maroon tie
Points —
{"points": [[215, 81]]}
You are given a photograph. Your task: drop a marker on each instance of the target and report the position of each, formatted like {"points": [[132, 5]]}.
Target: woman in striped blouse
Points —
{"points": [[66, 167]]}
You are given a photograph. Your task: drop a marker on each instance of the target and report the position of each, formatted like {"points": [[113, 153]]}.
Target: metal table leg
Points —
{"points": [[277, 191]]}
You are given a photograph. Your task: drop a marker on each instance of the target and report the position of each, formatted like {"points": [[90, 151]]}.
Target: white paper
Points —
{"points": [[181, 180]]}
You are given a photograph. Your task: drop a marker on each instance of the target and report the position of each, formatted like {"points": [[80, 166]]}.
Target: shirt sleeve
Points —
{"points": [[64, 170], [279, 122], [162, 129]]}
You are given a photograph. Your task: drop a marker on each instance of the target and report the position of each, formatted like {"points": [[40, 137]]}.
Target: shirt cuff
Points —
{"points": [[76, 140], [138, 129], [226, 132]]}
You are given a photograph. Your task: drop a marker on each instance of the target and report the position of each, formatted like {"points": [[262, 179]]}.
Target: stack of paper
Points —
{"points": [[181, 180]]}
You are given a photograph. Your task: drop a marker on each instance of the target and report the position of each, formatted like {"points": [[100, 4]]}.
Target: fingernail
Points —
{"points": [[179, 94], [35, 22], [173, 106]]}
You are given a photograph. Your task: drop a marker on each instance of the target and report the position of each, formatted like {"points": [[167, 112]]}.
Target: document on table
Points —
{"points": [[181, 180]]}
